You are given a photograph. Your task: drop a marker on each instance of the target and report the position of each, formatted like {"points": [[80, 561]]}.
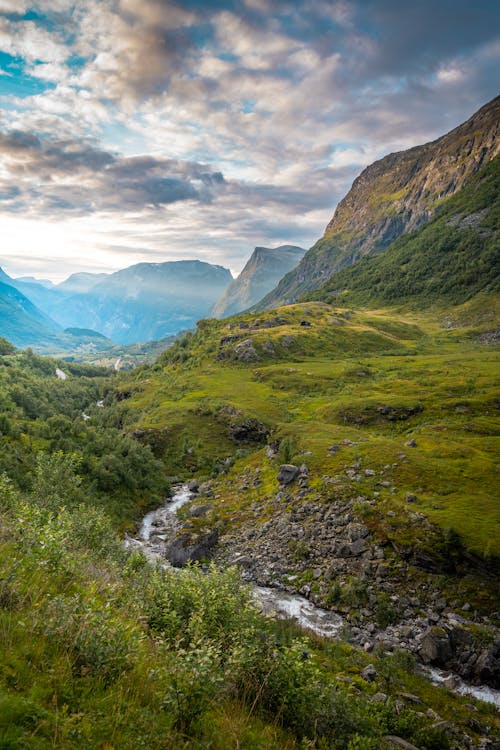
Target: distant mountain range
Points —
{"points": [[419, 223], [260, 275], [391, 197], [144, 302]]}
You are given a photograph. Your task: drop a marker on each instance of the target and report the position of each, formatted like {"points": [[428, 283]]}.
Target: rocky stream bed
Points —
{"points": [[162, 539]]}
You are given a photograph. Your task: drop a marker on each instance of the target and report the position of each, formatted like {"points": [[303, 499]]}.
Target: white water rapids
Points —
{"points": [[158, 526]]}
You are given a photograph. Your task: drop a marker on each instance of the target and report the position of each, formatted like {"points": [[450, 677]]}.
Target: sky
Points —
{"points": [[151, 130]]}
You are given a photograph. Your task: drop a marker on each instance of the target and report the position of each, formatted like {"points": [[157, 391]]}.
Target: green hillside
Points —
{"points": [[102, 651], [449, 260]]}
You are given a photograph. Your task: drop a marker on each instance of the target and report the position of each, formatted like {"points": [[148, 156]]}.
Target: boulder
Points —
{"points": [[186, 547], [193, 486], [200, 510], [435, 647], [487, 667], [288, 473], [369, 673], [399, 742]]}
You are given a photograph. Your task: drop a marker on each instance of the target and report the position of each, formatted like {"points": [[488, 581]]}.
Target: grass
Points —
{"points": [[420, 382]]}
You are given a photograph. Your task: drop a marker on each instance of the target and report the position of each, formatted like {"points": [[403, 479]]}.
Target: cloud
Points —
{"points": [[212, 127], [78, 176]]}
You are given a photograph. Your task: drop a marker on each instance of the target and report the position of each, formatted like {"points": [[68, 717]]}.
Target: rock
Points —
{"points": [[411, 498], [435, 647], [193, 486], [357, 531], [399, 742], [487, 667], [379, 698], [410, 698], [185, 547], [287, 473], [352, 550], [245, 351], [369, 673], [411, 443], [200, 510]]}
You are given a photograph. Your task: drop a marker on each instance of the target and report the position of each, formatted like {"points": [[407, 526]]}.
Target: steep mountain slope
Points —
{"points": [[260, 275], [452, 258], [392, 196], [147, 301], [20, 321]]}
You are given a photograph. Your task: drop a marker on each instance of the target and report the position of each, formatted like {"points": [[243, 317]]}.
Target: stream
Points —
{"points": [[159, 525]]}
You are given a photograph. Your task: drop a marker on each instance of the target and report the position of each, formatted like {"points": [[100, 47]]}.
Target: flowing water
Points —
{"points": [[159, 525]]}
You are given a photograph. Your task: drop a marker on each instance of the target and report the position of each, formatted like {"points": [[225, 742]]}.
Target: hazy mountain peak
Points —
{"points": [[265, 267]]}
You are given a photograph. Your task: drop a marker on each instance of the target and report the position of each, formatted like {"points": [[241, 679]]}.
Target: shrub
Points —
{"points": [[97, 640], [386, 613]]}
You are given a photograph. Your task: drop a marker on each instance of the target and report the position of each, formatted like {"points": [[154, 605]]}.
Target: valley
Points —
{"points": [[228, 522]]}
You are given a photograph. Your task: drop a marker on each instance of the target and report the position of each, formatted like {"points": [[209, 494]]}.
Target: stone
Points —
{"points": [[357, 531], [410, 498], [185, 547], [200, 510], [352, 550], [287, 473], [487, 667], [411, 443], [369, 673], [435, 647], [193, 486], [379, 698], [399, 742]]}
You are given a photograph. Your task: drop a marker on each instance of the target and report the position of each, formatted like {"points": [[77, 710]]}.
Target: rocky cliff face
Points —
{"points": [[262, 272], [392, 196]]}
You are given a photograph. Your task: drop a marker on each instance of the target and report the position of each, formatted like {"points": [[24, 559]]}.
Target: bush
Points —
{"points": [[96, 639]]}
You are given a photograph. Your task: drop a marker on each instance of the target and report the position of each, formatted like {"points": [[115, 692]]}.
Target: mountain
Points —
{"points": [[81, 282], [20, 321], [453, 257], [396, 194], [146, 301], [260, 275], [32, 280]]}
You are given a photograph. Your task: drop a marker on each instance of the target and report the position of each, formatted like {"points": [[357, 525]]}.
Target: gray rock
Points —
{"points": [[199, 510], [411, 443], [193, 486], [287, 473], [352, 550], [487, 667], [369, 673], [435, 647], [399, 742], [185, 547]]}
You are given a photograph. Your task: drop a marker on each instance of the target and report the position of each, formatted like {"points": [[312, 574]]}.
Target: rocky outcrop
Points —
{"points": [[394, 195], [191, 547], [262, 272]]}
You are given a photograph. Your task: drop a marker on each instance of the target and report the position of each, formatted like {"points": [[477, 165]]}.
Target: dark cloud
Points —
{"points": [[64, 175]]}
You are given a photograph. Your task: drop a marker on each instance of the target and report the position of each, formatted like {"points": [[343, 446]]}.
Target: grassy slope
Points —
{"points": [[82, 662], [330, 385], [452, 258]]}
